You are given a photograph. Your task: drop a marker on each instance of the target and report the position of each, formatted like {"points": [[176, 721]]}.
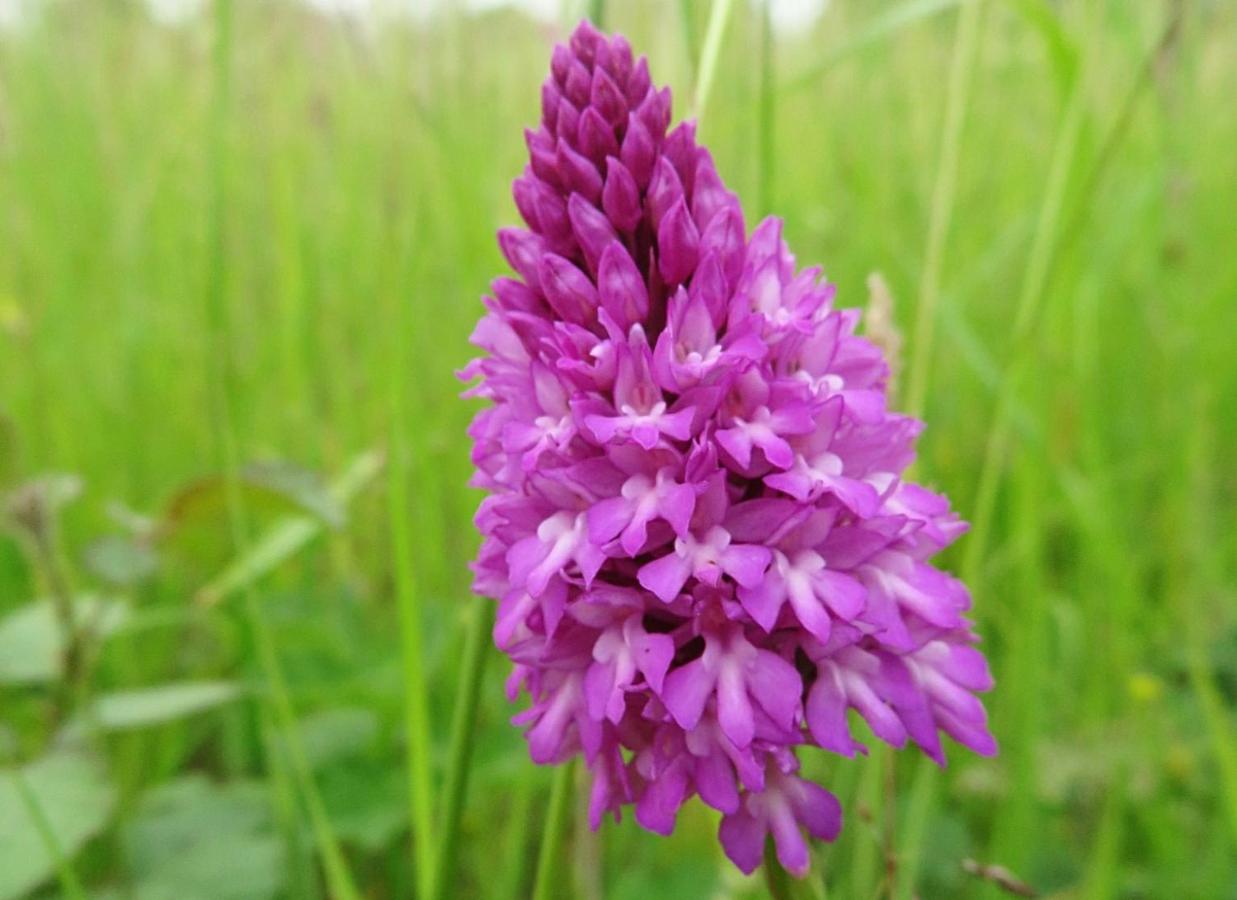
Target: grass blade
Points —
{"points": [[408, 600], [286, 538], [966, 48], [224, 397], [1043, 245], [718, 17], [767, 113], [462, 728], [550, 868]]}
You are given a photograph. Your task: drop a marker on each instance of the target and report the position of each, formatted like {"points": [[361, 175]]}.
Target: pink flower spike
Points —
{"points": [[697, 526]]}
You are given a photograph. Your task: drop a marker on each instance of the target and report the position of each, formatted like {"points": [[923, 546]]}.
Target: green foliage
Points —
{"points": [[144, 707], [193, 840], [52, 807], [238, 275], [32, 644]]}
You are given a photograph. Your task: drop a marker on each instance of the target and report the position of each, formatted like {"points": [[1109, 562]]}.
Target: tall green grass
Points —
{"points": [[272, 248]]}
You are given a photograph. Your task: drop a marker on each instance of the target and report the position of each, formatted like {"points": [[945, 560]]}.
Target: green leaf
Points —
{"points": [[1062, 50], [31, 645], [288, 535], [306, 489], [195, 529], [367, 804], [142, 708], [192, 839], [70, 794], [338, 734], [119, 560]]}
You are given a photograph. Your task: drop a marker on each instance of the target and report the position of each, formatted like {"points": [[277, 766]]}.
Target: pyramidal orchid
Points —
{"points": [[703, 549]]}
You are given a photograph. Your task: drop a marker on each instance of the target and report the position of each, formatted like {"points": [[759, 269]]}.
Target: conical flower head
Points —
{"points": [[697, 527]]}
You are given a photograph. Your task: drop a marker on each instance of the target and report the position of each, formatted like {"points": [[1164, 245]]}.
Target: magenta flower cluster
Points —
{"points": [[704, 552]]}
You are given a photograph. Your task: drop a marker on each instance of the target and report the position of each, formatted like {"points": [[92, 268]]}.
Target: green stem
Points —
{"points": [[768, 112], [408, 601], [966, 46], [914, 829], [776, 878], [550, 868], [718, 17], [597, 12], [691, 34], [463, 727], [1034, 279], [223, 406]]}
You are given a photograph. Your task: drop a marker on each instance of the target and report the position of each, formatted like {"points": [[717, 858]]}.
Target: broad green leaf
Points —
{"points": [[32, 646], [367, 804], [120, 560], [306, 489], [195, 531], [287, 536], [123, 710], [71, 798], [338, 734], [192, 839]]}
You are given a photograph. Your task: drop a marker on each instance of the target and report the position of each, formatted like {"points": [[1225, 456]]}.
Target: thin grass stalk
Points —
{"points": [[514, 853], [691, 35], [463, 728], [1043, 244], [551, 871], [914, 828], [302, 882], [412, 638], [944, 193], [718, 17], [767, 113], [339, 879], [777, 880]]}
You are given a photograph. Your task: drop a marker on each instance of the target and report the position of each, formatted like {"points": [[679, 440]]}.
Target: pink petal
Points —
{"points": [[776, 685], [734, 709], [844, 594], [743, 839], [665, 577], [826, 715], [764, 601], [788, 840], [817, 809], [686, 692], [607, 519], [746, 563], [715, 782], [654, 653]]}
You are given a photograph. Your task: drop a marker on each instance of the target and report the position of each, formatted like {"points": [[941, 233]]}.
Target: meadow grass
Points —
{"points": [[262, 235]]}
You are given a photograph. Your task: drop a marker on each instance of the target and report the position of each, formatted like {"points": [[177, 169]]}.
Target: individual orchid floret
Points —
{"points": [[698, 529]]}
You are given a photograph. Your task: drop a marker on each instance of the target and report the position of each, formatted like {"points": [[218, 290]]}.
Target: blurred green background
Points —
{"points": [[242, 245]]}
